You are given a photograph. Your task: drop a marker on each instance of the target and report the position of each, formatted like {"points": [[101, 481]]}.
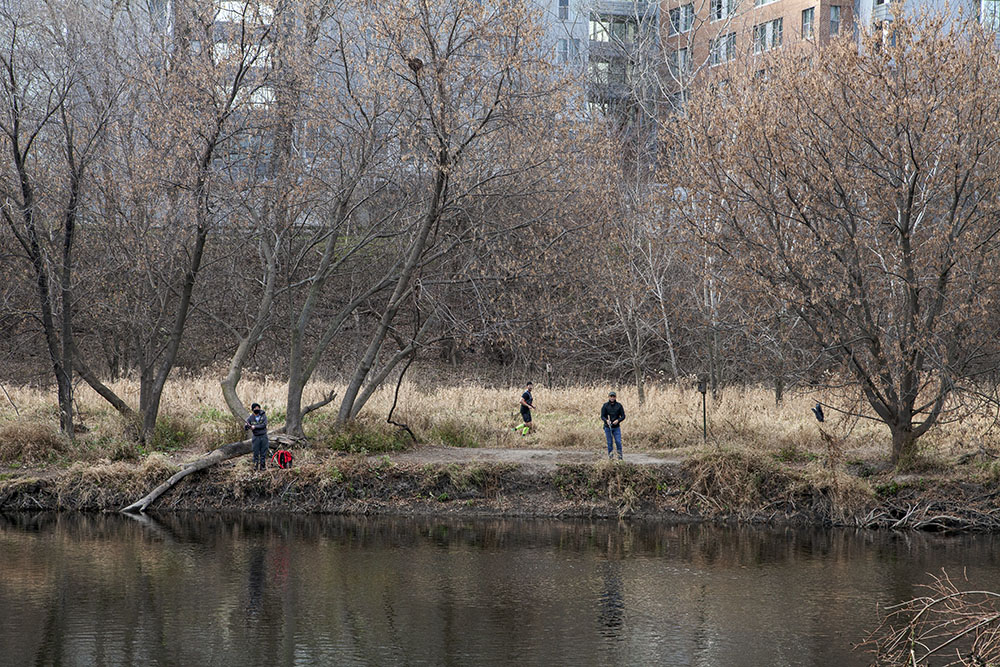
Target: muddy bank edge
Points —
{"points": [[728, 487]]}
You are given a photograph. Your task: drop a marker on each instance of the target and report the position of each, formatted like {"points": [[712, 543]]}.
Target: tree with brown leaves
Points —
{"points": [[860, 188]]}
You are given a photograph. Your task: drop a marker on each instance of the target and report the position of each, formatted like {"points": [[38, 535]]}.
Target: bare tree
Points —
{"points": [[859, 190], [57, 105], [194, 74]]}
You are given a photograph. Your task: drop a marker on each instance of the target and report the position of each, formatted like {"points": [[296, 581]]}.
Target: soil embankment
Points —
{"points": [[718, 486]]}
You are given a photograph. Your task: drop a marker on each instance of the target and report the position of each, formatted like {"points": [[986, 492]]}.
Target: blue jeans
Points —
{"points": [[616, 433]]}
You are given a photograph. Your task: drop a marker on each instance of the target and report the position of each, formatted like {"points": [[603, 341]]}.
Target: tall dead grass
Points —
{"points": [[195, 417]]}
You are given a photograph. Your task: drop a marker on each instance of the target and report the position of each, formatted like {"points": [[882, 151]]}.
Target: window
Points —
{"points": [[599, 30], [886, 34], [834, 20], [599, 70], [989, 14], [624, 30], [720, 9], [615, 72], [680, 62], [761, 3], [767, 36], [237, 11], [722, 49], [681, 18], [808, 16], [262, 98], [597, 108], [574, 48], [613, 28], [562, 51], [563, 9]]}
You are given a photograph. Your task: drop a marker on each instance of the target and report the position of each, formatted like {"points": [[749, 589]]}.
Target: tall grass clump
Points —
{"points": [[28, 442], [734, 481], [363, 437], [459, 433]]}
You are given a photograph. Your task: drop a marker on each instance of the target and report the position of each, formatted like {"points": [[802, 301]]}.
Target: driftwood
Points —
{"points": [[224, 453]]}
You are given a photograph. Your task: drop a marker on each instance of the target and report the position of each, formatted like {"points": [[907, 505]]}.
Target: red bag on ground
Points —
{"points": [[282, 458]]}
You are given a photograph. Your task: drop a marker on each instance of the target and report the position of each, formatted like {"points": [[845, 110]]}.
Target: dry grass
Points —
{"points": [[195, 417], [30, 442]]}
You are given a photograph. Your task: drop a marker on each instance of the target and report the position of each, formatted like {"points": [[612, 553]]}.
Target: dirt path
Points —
{"points": [[533, 459], [545, 459]]}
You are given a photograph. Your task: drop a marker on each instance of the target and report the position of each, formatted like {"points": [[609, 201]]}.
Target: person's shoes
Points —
{"points": [[611, 456], [619, 456]]}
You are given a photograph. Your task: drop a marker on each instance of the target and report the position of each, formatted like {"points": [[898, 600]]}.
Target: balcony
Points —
{"points": [[642, 10]]}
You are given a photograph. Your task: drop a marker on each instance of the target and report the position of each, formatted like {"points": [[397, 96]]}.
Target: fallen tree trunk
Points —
{"points": [[224, 453]]}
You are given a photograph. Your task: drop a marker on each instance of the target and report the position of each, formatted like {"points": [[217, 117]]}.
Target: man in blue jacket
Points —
{"points": [[613, 414], [256, 423]]}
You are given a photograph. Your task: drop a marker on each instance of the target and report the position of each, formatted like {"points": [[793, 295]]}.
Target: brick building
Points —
{"points": [[700, 35]]}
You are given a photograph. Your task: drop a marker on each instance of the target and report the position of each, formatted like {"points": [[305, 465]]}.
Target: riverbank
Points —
{"points": [[761, 462], [714, 485]]}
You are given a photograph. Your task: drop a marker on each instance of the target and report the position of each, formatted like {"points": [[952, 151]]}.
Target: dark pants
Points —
{"points": [[260, 444], [614, 432]]}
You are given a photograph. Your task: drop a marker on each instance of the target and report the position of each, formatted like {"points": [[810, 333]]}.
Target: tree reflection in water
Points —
{"points": [[243, 590], [612, 606]]}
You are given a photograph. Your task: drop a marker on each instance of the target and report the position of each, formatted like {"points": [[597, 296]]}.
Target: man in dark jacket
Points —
{"points": [[613, 414], [256, 423], [527, 405]]}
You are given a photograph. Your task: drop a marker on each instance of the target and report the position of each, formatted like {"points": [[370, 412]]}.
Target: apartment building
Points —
{"points": [[566, 29], [872, 12], [613, 47], [700, 35]]}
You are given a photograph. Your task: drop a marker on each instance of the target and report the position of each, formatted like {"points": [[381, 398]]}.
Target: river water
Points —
{"points": [[283, 590]]}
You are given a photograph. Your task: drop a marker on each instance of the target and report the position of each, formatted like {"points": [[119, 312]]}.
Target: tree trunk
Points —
{"points": [[670, 340], [296, 385], [155, 391], [348, 409], [66, 287], [904, 443], [224, 453], [639, 385], [260, 323]]}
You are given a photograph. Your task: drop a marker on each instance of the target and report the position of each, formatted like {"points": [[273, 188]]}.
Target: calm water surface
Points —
{"points": [[252, 590]]}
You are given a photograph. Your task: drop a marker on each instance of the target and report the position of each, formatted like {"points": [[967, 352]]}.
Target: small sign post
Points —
{"points": [[702, 388]]}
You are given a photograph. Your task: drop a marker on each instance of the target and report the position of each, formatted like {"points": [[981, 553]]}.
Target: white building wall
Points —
{"points": [[869, 11]]}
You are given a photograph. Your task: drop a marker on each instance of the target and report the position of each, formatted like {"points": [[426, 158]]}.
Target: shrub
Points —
{"points": [[455, 433], [30, 442], [792, 454], [171, 433], [365, 438]]}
